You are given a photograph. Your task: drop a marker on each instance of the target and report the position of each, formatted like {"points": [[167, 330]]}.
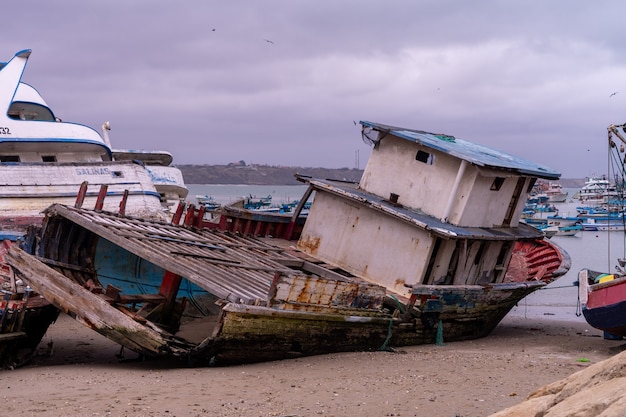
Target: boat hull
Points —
{"points": [[248, 333], [252, 334], [18, 344], [246, 307], [24, 316], [603, 303]]}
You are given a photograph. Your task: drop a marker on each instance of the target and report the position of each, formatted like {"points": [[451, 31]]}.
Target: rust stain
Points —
{"points": [[305, 294], [399, 283], [310, 245]]}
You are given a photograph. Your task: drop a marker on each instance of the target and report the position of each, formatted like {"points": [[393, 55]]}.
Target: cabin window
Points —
{"points": [[48, 158], [425, 157], [21, 110], [497, 183], [479, 253], [9, 158]]}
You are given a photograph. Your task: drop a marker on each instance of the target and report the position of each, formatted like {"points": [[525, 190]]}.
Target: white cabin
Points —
{"points": [[429, 209]]}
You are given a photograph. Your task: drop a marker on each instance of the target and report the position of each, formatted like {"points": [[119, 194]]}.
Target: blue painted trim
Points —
{"points": [[11, 235], [89, 194], [24, 53]]}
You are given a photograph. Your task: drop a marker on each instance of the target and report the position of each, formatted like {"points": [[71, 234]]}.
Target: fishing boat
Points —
{"points": [[208, 202], [376, 264], [604, 225], [555, 193], [43, 161], [602, 294], [572, 230]]}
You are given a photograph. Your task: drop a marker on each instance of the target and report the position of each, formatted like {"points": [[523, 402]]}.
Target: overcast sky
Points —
{"points": [[282, 82]]}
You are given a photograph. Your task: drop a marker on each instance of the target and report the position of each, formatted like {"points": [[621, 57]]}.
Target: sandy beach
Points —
{"points": [[81, 375]]}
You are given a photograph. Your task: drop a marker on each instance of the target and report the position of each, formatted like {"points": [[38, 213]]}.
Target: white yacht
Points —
{"points": [[44, 160]]}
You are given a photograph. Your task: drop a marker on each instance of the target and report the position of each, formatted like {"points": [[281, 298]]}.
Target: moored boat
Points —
{"points": [[555, 193], [597, 190]]}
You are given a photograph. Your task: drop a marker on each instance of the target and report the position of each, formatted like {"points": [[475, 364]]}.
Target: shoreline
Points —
{"points": [[531, 347]]}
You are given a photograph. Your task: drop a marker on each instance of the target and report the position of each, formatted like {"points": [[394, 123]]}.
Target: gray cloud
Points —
{"points": [[201, 80]]}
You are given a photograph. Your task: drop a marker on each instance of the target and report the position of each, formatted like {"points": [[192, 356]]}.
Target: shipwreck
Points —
{"points": [[426, 247]]}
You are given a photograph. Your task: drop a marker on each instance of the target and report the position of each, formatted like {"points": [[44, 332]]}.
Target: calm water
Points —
{"points": [[586, 249], [594, 250]]}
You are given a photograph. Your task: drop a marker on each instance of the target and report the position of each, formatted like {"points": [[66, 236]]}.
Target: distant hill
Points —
{"points": [[241, 173]]}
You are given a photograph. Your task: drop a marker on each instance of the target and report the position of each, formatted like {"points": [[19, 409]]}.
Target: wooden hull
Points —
{"points": [[18, 344], [248, 333], [252, 334], [259, 301], [603, 304], [24, 316]]}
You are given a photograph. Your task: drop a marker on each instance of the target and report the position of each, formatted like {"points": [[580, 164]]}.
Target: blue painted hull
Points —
{"points": [[134, 275], [610, 318]]}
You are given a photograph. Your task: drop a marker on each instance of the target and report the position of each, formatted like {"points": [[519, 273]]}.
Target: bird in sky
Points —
{"points": [[268, 41], [612, 94]]}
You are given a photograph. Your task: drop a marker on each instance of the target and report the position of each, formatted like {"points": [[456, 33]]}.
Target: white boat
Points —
{"points": [[563, 221], [604, 225], [555, 193], [44, 160], [572, 230], [167, 179], [597, 190]]}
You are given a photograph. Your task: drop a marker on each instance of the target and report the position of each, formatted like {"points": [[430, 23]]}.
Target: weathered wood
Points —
{"points": [[11, 336], [252, 334], [92, 310], [323, 292]]}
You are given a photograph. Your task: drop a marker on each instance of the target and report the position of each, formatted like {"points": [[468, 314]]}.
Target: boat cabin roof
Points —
{"points": [[351, 192], [477, 154], [163, 158], [28, 121]]}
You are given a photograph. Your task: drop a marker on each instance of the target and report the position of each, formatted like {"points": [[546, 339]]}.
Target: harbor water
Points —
{"points": [[558, 300], [587, 249], [229, 193]]}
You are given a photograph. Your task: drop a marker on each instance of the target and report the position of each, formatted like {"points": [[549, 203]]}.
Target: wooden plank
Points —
{"points": [[316, 291], [91, 310], [11, 336]]}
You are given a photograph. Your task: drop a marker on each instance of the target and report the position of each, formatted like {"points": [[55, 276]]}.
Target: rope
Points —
{"points": [[439, 337], [400, 306], [384, 346], [554, 288]]}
